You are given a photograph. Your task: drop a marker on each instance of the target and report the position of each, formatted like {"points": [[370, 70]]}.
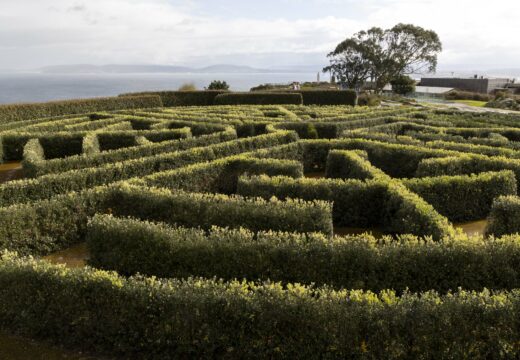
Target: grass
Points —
{"points": [[475, 103]]}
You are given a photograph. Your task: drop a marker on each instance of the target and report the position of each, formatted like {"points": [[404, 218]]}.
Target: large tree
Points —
{"points": [[382, 55]]}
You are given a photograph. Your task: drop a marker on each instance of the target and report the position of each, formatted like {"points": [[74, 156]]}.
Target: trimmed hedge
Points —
{"points": [[256, 98], [466, 197], [205, 210], [183, 98], [504, 217], [221, 176], [329, 97], [18, 112], [381, 203], [344, 164], [123, 154], [356, 262], [20, 191], [150, 318], [90, 146]]}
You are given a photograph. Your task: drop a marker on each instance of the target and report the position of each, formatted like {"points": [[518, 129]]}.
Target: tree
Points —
{"points": [[382, 55], [218, 85], [403, 85]]}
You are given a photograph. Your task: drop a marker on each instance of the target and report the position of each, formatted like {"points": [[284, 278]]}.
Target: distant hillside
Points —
{"points": [[125, 69]]}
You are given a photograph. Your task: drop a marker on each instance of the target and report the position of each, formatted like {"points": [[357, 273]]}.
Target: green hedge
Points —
{"points": [[55, 145], [504, 217], [183, 98], [90, 146], [205, 210], [18, 112], [221, 176], [467, 164], [344, 164], [384, 203], [329, 97], [123, 154], [256, 98], [466, 197], [46, 186], [148, 318], [356, 262]]}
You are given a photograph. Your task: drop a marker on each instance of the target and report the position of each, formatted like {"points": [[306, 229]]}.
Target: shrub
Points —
{"points": [[258, 98], [403, 85], [367, 99], [188, 87], [466, 197], [18, 112], [504, 216], [195, 318], [90, 145], [218, 85], [130, 246]]}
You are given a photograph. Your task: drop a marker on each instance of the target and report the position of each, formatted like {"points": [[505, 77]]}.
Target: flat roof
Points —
{"points": [[432, 89]]}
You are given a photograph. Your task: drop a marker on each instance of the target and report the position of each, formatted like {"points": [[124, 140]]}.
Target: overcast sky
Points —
{"points": [[267, 33]]}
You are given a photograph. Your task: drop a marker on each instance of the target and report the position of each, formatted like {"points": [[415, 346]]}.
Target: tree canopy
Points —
{"points": [[381, 55]]}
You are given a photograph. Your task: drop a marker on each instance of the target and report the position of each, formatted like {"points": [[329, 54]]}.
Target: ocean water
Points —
{"points": [[34, 87]]}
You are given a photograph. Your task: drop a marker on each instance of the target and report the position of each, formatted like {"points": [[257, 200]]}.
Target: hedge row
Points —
{"points": [[384, 203], [221, 176], [205, 210], [504, 217], [329, 97], [345, 164], [169, 319], [45, 226], [357, 262], [467, 164], [18, 112], [63, 144], [255, 98], [82, 161], [466, 197], [182, 98], [46, 186]]}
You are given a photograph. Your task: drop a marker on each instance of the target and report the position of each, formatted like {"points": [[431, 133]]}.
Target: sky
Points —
{"points": [[476, 34]]}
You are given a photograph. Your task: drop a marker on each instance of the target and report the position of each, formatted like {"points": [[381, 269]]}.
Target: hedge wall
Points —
{"points": [[504, 217], [18, 112], [164, 319], [46, 186], [205, 210], [329, 97], [256, 98], [376, 203], [344, 164], [356, 262], [466, 197], [112, 156], [183, 98]]}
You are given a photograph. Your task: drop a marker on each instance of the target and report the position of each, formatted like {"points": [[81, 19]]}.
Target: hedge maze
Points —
{"points": [[233, 231]]}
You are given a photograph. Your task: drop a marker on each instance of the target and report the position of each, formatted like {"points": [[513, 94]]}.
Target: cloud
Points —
{"points": [[36, 33]]}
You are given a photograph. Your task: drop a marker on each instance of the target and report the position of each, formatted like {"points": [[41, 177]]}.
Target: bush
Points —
{"points": [[464, 198], [403, 85], [188, 87], [90, 146], [258, 98], [356, 262], [504, 217], [183, 98], [18, 112], [195, 318], [467, 95], [367, 99], [218, 85]]}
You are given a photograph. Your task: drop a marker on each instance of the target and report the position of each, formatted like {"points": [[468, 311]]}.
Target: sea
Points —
{"points": [[36, 87]]}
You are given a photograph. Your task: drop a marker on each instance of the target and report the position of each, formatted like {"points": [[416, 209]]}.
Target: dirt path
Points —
{"points": [[11, 171]]}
